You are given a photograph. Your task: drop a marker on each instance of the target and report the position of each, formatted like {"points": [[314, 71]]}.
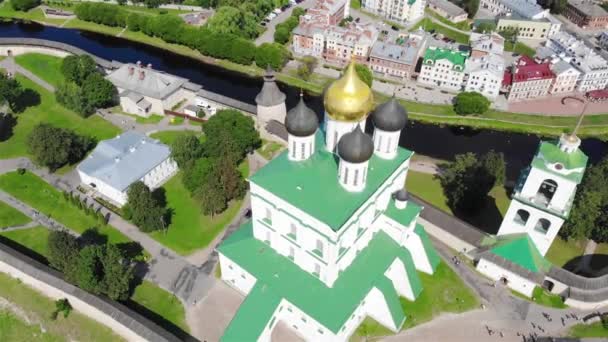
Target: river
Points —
{"points": [[441, 142]]}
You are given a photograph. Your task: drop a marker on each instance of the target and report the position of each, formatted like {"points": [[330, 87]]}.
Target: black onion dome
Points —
{"points": [[390, 116], [301, 121], [356, 146], [402, 195]]}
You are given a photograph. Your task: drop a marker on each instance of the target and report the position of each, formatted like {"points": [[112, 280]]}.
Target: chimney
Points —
{"points": [[131, 70], [149, 65], [142, 74]]}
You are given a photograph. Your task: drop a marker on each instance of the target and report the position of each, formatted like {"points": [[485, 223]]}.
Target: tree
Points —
{"points": [[471, 7], [225, 127], [282, 34], [54, 147], [213, 198], [61, 305], [186, 149], [467, 103], [98, 92], [307, 66], [89, 269], [10, 91], [509, 34], [118, 274], [196, 173], [143, 208], [232, 20], [24, 5], [76, 68], [495, 166], [233, 184], [273, 54], [485, 27], [364, 74], [62, 249]]}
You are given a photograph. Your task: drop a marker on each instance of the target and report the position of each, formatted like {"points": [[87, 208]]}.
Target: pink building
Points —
{"points": [[528, 79]]}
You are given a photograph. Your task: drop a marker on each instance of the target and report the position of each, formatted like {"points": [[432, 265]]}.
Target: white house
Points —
{"points": [[144, 91], [484, 75], [397, 10], [333, 236], [117, 163], [443, 68]]}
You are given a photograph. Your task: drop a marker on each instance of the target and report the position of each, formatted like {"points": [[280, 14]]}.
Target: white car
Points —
{"points": [[271, 16], [277, 11]]}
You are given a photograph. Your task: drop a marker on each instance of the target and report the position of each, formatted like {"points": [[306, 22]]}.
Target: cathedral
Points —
{"points": [[333, 236]]}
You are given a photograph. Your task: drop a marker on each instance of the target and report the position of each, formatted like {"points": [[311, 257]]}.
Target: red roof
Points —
{"points": [[600, 94], [526, 69], [507, 78]]}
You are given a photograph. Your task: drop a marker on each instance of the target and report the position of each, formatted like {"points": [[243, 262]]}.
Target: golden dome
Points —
{"points": [[348, 98]]}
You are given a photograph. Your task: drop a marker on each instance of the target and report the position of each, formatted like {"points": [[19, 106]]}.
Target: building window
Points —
{"points": [[293, 149], [542, 226], [292, 231], [521, 217], [268, 216], [268, 237], [356, 177], [303, 151], [546, 191], [292, 253], [379, 142], [318, 248], [346, 175], [317, 271]]}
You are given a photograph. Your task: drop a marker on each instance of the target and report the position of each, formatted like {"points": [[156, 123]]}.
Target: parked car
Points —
{"points": [[277, 11], [395, 28], [263, 23], [271, 16]]}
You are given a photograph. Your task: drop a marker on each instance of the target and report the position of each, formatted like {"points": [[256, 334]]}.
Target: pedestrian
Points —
{"points": [[501, 335]]}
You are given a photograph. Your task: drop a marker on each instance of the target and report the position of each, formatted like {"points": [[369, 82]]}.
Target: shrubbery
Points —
{"points": [[283, 30], [467, 103], [55, 147], [24, 5]]}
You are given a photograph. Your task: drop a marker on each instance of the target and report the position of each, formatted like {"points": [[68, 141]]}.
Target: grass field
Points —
{"points": [[34, 191], [463, 25], [269, 149], [168, 137], [190, 229], [38, 308], [544, 298], [562, 251], [520, 48], [370, 328], [429, 25], [10, 216], [12, 328], [428, 188], [49, 111], [162, 303], [46, 67], [588, 330], [7, 11], [34, 238]]}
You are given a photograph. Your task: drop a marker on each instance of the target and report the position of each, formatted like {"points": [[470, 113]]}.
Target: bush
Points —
{"points": [[467, 103], [273, 54], [54, 147], [24, 5]]}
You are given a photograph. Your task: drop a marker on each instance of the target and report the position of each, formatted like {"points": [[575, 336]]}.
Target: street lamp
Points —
{"points": [[572, 135]]}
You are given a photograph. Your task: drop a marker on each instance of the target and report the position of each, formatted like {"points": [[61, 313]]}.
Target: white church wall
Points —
{"points": [[386, 143], [352, 176], [445, 237], [398, 275], [565, 188], [334, 130], [515, 282], [375, 306], [300, 148], [104, 189], [414, 245], [299, 322], [160, 174], [573, 303], [559, 288], [235, 276]]}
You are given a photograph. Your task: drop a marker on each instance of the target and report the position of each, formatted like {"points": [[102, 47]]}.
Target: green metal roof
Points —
{"points": [[253, 315], [521, 250], [404, 216], [333, 306], [312, 185], [549, 153], [428, 246], [455, 57]]}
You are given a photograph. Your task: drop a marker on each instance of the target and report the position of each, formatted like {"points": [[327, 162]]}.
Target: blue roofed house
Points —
{"points": [[117, 163]]}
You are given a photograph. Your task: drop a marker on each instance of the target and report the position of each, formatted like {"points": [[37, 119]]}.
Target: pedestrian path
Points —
{"points": [[28, 225], [9, 64]]}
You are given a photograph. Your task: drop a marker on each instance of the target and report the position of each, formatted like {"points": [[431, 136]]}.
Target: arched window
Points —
{"points": [[542, 226], [546, 191], [522, 217]]}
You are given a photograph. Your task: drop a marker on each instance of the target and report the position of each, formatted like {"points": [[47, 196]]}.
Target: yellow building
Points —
{"points": [[529, 28]]}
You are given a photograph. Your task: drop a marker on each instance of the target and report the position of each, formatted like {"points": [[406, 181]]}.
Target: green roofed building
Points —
{"points": [[333, 236], [443, 68], [542, 200]]}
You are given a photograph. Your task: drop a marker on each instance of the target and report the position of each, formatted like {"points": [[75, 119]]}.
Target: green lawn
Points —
{"points": [[442, 292], [168, 137], [370, 328], [520, 48], [544, 298], [269, 148], [35, 239], [37, 193], [35, 14], [562, 251], [162, 303], [49, 111], [463, 25], [428, 25], [46, 67], [12, 328], [89, 26], [588, 330], [356, 4], [38, 308], [190, 229], [10, 216], [428, 188]]}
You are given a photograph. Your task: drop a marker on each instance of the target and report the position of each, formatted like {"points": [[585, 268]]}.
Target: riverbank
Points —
{"points": [[593, 125]]}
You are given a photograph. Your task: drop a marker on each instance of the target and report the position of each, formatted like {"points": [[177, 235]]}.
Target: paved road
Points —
{"points": [[9, 64], [268, 35]]}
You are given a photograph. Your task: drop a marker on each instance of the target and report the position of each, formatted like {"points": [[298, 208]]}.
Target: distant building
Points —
{"points": [[566, 77], [528, 79], [483, 44], [537, 29], [524, 8], [144, 91], [329, 12], [586, 14], [397, 10], [593, 68], [448, 10], [443, 68], [117, 163], [399, 58], [484, 75]]}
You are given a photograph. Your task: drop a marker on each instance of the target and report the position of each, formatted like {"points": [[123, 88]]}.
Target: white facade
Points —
{"points": [[352, 176], [300, 148], [566, 78], [442, 73], [398, 10], [334, 130], [484, 75], [386, 143], [514, 281]]}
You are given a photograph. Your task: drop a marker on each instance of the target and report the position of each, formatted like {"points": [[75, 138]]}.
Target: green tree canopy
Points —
{"points": [[232, 20], [225, 127], [273, 54], [196, 173], [76, 68], [143, 209], [24, 5], [10, 91], [186, 149], [63, 249], [364, 74], [54, 147], [467, 103], [471, 7]]}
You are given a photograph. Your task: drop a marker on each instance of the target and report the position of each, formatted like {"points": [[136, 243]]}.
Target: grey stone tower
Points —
{"points": [[270, 104]]}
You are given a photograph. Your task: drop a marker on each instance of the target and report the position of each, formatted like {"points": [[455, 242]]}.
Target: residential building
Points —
{"points": [[397, 58], [333, 237], [448, 10], [484, 74], [117, 163], [524, 8], [528, 79], [144, 91], [593, 68], [586, 14], [401, 11], [566, 77], [483, 44], [534, 29], [443, 68], [329, 12]]}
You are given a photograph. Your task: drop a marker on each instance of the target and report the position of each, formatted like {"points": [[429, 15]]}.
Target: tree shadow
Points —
{"points": [[572, 265], [159, 320], [23, 250], [160, 197], [131, 250], [7, 123], [92, 236], [168, 216], [488, 218], [599, 263], [28, 98]]}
